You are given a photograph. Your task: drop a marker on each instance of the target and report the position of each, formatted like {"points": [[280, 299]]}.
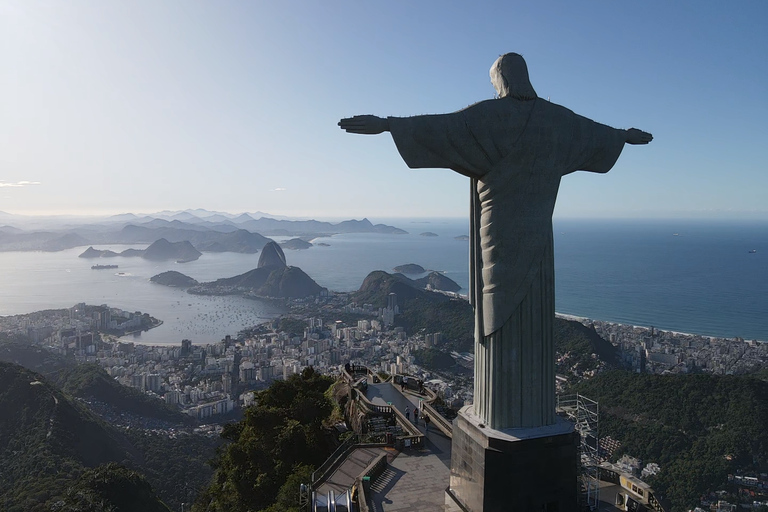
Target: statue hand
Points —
{"points": [[366, 125], [635, 136]]}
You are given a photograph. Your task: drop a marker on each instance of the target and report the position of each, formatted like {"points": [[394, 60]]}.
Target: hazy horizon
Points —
{"points": [[142, 106], [704, 215]]}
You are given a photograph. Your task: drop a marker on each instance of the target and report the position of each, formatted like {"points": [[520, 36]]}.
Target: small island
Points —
{"points": [[427, 233], [461, 237], [272, 278], [102, 267], [174, 279], [296, 244], [96, 253], [409, 268]]}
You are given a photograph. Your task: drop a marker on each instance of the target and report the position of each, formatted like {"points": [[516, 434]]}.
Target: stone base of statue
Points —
{"points": [[512, 470]]}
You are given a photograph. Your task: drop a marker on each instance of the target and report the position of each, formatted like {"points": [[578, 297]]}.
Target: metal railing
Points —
{"points": [[373, 470], [445, 426], [340, 453]]}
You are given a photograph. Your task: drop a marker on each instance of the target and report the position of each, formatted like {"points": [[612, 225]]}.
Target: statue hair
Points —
{"points": [[509, 75]]}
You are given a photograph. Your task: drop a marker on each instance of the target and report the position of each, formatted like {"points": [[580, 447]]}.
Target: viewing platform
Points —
{"points": [[392, 462]]}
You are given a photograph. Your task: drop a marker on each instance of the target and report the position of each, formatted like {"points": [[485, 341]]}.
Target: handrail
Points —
{"points": [[431, 395], [439, 421], [338, 454], [371, 407], [373, 470], [413, 433], [354, 368], [362, 496]]}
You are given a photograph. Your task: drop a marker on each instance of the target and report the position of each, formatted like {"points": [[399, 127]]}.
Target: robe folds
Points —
{"points": [[515, 153]]}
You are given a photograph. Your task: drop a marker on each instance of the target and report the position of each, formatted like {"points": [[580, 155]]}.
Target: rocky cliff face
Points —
{"points": [[289, 282], [272, 256], [272, 278]]}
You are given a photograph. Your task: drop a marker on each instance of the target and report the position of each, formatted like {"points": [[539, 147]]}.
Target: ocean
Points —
{"points": [[687, 276]]}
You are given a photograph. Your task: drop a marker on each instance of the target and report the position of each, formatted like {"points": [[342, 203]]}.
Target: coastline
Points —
{"points": [[585, 320], [581, 319], [597, 270], [139, 331]]}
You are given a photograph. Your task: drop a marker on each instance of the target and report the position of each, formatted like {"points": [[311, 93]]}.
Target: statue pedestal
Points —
{"points": [[511, 470]]}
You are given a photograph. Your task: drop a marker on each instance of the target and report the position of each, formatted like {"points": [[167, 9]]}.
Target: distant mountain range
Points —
{"points": [[206, 231]]}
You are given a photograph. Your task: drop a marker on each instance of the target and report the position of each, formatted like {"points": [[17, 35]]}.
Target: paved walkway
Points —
{"points": [[416, 479], [413, 481], [436, 442], [386, 393], [344, 476]]}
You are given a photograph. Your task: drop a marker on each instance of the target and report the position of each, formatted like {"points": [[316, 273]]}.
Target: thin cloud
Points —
{"points": [[5, 184], [279, 189]]}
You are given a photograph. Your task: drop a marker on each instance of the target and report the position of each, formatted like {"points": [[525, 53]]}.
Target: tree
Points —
{"points": [[280, 439]]}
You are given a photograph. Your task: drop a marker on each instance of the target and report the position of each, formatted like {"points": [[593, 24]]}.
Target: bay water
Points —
{"points": [[683, 275]]}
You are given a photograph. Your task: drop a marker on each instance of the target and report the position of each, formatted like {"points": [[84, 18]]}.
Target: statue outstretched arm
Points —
{"points": [[635, 136], [365, 125], [427, 142]]}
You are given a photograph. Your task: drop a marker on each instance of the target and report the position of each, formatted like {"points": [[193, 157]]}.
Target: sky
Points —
{"points": [[140, 106]]}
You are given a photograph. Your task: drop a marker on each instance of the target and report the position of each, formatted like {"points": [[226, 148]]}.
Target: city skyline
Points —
{"points": [[115, 107]]}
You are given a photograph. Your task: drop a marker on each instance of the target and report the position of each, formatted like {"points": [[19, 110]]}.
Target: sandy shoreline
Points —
{"points": [[583, 319]]}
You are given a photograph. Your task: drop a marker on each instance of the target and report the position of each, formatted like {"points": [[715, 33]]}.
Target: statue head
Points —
{"points": [[509, 76]]}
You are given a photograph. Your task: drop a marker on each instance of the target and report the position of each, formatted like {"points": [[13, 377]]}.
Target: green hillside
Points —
{"points": [[273, 448], [46, 439], [698, 428], [429, 312], [90, 381], [110, 488], [20, 350], [580, 349]]}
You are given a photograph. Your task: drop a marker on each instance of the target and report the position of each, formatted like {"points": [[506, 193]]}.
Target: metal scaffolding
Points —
{"points": [[584, 413]]}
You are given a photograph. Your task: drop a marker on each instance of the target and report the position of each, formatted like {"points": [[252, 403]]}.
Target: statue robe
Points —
{"points": [[515, 153]]}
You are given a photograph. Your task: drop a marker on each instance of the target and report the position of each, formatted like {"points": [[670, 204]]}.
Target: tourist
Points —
{"points": [[426, 422], [408, 413], [416, 416]]}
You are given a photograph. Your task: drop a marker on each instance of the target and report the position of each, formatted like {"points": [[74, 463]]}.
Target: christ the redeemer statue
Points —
{"points": [[515, 149]]}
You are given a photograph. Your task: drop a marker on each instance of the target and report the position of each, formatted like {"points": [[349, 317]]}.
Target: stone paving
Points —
{"points": [[414, 481], [344, 476]]}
